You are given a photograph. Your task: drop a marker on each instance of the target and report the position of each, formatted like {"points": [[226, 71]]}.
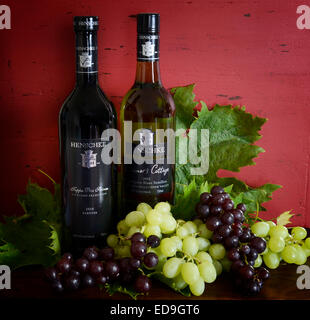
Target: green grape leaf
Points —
{"points": [[284, 218]]}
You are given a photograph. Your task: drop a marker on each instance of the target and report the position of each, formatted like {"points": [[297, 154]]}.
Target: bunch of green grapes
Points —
{"points": [[292, 247], [185, 253]]}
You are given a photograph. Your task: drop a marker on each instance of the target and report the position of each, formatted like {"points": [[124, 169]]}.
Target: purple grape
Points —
{"points": [[106, 254], [238, 215], [227, 218], [143, 284], [224, 230], [95, 268], [252, 255], [82, 265], [51, 274], [226, 196], [218, 199], [203, 210], [245, 249], [138, 237], [205, 198], [124, 264], [236, 265], [63, 266], [263, 273], [153, 241], [215, 209], [72, 283], [259, 244], [217, 238], [252, 288], [134, 263], [251, 262], [57, 286], [112, 269], [127, 277], [247, 272], [213, 223], [233, 254], [68, 256], [138, 249], [216, 190], [74, 272], [242, 207], [246, 235], [228, 205], [150, 260], [90, 253], [231, 242], [236, 230], [88, 281], [102, 279]]}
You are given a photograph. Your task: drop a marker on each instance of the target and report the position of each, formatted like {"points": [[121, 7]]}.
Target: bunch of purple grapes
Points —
{"points": [[218, 212], [99, 266]]}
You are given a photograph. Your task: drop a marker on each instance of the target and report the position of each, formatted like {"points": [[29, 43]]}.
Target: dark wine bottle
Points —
{"points": [[148, 107], [88, 183]]}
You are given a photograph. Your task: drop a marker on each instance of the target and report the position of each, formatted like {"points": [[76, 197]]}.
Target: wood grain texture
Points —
{"points": [[237, 52]]}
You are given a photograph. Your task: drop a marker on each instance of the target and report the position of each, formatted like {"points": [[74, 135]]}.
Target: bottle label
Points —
{"points": [[150, 172], [148, 47], [89, 189], [86, 53]]}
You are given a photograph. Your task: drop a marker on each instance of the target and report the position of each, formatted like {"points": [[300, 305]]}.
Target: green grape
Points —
{"points": [[182, 232], [265, 251], [203, 256], [307, 242], [197, 288], [258, 261], [271, 224], [172, 267], [144, 207], [299, 233], [217, 251], [271, 260], [180, 222], [190, 227], [122, 227], [135, 219], [178, 242], [190, 272], [179, 282], [306, 250], [168, 247], [150, 230], [190, 246], [168, 224], [289, 254], [260, 229], [124, 251], [301, 256], [112, 240], [204, 231], [203, 243], [226, 264], [153, 217], [207, 271], [276, 244], [218, 267], [198, 222], [163, 207], [132, 230], [279, 231]]}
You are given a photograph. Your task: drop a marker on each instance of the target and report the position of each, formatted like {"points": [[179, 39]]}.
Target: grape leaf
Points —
{"points": [[33, 238], [115, 287], [284, 218]]}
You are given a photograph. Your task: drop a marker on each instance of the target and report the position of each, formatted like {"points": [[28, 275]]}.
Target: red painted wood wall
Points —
{"points": [[240, 52]]}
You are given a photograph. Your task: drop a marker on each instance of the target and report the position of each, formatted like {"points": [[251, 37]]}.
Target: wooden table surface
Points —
{"points": [[29, 283]]}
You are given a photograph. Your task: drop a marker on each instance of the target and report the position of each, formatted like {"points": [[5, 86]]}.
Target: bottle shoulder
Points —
{"points": [[88, 101], [147, 101]]}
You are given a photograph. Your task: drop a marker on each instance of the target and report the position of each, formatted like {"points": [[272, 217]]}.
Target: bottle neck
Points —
{"points": [[86, 58], [148, 70]]}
